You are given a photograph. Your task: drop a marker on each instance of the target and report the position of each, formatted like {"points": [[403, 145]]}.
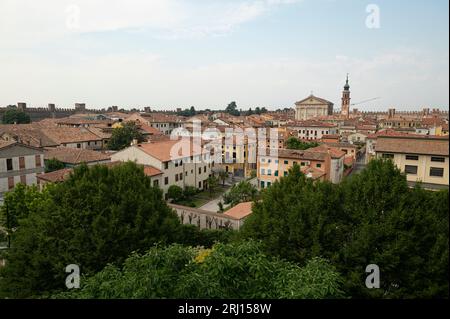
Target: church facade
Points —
{"points": [[312, 107]]}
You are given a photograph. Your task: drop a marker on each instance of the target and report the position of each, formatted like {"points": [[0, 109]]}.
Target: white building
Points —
{"points": [[313, 130], [181, 162], [19, 163]]}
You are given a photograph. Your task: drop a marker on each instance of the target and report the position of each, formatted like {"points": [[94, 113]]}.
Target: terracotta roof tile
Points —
{"points": [[75, 155], [240, 211], [413, 145]]}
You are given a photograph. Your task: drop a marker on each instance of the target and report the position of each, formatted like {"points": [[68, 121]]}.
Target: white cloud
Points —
{"points": [[402, 78], [25, 22]]}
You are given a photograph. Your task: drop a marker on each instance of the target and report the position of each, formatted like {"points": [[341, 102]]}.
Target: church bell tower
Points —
{"points": [[345, 109]]}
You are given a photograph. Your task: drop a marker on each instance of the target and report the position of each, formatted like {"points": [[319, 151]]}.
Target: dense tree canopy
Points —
{"points": [[123, 136], [371, 218], [53, 164], [294, 143], [242, 192], [232, 109], [237, 270], [15, 116], [98, 216]]}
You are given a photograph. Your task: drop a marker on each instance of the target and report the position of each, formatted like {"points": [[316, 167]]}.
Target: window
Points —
{"points": [[276, 173], [78, 145], [302, 164], [199, 170], [11, 182], [155, 183], [286, 162], [166, 180], [276, 161], [318, 165], [181, 176], [269, 172], [285, 173], [436, 171], [186, 173], [9, 164], [23, 179], [199, 184], [176, 177], [411, 169], [263, 160], [21, 162], [262, 184], [438, 159], [38, 160], [166, 165], [263, 171], [385, 155], [412, 157], [268, 184], [204, 169]]}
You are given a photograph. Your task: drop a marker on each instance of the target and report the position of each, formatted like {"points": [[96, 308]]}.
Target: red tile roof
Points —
{"points": [[75, 155], [240, 211], [413, 145], [162, 150]]}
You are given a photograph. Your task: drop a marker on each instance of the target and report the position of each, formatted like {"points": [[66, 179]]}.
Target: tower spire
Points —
{"points": [[345, 108]]}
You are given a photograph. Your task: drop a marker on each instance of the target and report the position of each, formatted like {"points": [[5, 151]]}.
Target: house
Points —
{"points": [[74, 137], [76, 156], [190, 168], [422, 158], [321, 163], [165, 123], [39, 135], [313, 130], [19, 163], [358, 138]]}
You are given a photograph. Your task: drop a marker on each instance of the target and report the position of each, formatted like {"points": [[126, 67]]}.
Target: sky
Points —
{"points": [[167, 54]]}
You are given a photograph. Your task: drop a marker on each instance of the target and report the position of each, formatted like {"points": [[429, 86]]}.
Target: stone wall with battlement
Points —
{"points": [[39, 113]]}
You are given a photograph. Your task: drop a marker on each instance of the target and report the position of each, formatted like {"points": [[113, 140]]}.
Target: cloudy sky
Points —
{"points": [[177, 53]]}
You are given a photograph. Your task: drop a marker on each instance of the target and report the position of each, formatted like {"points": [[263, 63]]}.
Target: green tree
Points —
{"points": [[175, 193], [232, 109], [236, 270], [15, 116], [294, 143], [189, 192], [213, 183], [53, 164], [298, 219], [123, 136], [18, 204], [223, 175], [370, 218], [98, 216], [404, 231], [242, 192]]}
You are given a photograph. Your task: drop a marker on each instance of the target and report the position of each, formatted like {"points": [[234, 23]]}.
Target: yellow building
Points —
{"points": [[422, 158]]}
